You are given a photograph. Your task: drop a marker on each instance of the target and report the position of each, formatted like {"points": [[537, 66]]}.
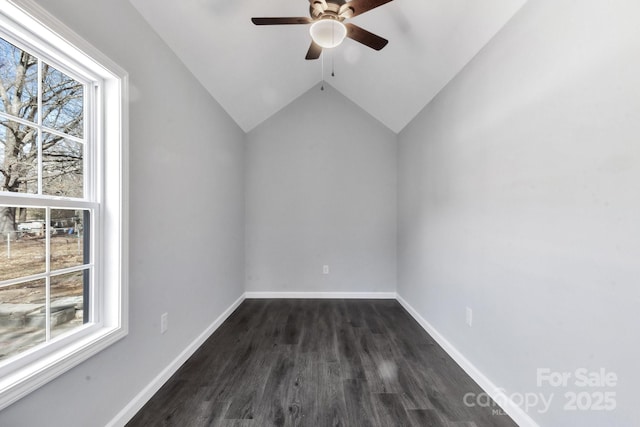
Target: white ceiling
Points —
{"points": [[254, 71]]}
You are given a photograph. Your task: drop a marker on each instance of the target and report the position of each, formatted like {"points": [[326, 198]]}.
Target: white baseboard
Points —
{"points": [[512, 409], [147, 393], [322, 295]]}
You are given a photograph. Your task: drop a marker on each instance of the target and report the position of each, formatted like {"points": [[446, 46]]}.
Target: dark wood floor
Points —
{"points": [[318, 363]]}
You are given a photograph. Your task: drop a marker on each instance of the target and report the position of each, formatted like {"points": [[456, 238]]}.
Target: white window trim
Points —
{"points": [[33, 24]]}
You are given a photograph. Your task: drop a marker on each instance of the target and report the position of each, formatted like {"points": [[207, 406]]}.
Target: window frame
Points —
{"points": [[47, 38]]}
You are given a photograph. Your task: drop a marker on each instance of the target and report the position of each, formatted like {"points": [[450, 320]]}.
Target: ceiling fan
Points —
{"points": [[327, 24]]}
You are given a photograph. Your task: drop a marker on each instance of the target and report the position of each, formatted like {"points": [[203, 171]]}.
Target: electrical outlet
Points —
{"points": [[164, 323], [469, 317], [325, 269]]}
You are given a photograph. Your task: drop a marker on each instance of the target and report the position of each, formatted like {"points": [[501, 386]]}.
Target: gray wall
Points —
{"points": [[321, 190], [186, 225], [519, 196]]}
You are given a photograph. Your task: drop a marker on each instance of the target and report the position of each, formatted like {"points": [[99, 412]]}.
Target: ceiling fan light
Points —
{"points": [[328, 33]]}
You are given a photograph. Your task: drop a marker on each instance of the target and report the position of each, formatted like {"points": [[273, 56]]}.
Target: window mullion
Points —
{"points": [[62, 134], [17, 119], [47, 232], [91, 168], [39, 137]]}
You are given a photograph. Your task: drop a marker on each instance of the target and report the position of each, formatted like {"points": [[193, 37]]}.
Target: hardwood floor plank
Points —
{"points": [[352, 313], [227, 385], [426, 417], [243, 405], [275, 327], [359, 406], [348, 350], [274, 407], [325, 333], [309, 342], [247, 390], [302, 394], [444, 400], [389, 410], [371, 317], [385, 359], [210, 413], [291, 335], [331, 408], [414, 394]]}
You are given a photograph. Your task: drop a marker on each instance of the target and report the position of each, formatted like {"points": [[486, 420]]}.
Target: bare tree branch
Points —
{"points": [[61, 99]]}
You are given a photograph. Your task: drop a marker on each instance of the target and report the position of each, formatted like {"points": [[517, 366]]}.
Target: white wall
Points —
{"points": [[321, 190], [186, 225], [519, 196]]}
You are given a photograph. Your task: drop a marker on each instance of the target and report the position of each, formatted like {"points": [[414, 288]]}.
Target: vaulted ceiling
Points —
{"points": [[253, 72]]}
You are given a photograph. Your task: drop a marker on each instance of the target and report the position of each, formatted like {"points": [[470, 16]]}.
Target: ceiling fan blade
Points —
{"points": [[314, 51], [358, 7], [365, 37], [281, 21]]}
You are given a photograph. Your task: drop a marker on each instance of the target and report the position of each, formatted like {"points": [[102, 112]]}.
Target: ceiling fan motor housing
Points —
{"points": [[321, 9]]}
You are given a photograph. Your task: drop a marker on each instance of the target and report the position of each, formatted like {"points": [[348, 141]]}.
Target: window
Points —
{"points": [[62, 192]]}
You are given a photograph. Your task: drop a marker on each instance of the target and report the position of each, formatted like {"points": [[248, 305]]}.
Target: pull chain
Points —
{"points": [[333, 35], [322, 71], [333, 65]]}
